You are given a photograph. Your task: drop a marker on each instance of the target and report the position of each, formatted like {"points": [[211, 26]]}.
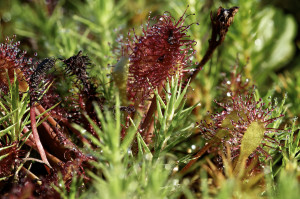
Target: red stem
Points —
{"points": [[147, 125], [218, 34], [220, 23], [68, 125], [196, 157], [37, 139], [51, 157], [49, 117]]}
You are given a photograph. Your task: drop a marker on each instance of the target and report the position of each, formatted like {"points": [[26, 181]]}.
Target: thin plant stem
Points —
{"points": [[196, 157], [49, 117], [30, 142], [31, 176], [66, 123], [147, 125], [220, 24], [37, 139]]}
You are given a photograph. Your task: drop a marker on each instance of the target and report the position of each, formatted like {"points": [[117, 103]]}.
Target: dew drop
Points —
{"points": [[148, 156], [175, 181], [229, 109], [175, 169], [129, 152], [295, 119]]}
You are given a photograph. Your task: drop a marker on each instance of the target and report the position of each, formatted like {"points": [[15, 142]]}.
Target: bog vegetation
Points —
{"points": [[146, 99]]}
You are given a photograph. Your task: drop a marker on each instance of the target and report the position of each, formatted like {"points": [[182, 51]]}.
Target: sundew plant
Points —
{"points": [[149, 99]]}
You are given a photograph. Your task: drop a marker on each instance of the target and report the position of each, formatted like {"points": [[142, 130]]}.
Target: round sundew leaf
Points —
{"points": [[252, 138], [232, 117], [221, 134]]}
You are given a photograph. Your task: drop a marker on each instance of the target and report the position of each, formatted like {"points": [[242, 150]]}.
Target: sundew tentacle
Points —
{"points": [[244, 122], [162, 51], [12, 60]]}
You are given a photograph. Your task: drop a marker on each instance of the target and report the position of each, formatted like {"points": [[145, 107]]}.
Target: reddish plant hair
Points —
{"points": [[162, 51], [13, 61]]}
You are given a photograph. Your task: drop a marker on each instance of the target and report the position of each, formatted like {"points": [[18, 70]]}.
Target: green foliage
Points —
{"points": [[291, 149], [144, 178], [289, 83], [288, 186], [260, 43], [172, 124], [252, 37], [12, 109], [73, 192]]}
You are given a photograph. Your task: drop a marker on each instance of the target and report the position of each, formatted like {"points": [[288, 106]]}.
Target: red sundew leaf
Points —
{"points": [[11, 61], [162, 51], [9, 156], [239, 116]]}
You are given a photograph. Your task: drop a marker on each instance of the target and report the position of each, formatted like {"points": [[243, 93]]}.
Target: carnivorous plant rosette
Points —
{"points": [[244, 126], [12, 60], [162, 51]]}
